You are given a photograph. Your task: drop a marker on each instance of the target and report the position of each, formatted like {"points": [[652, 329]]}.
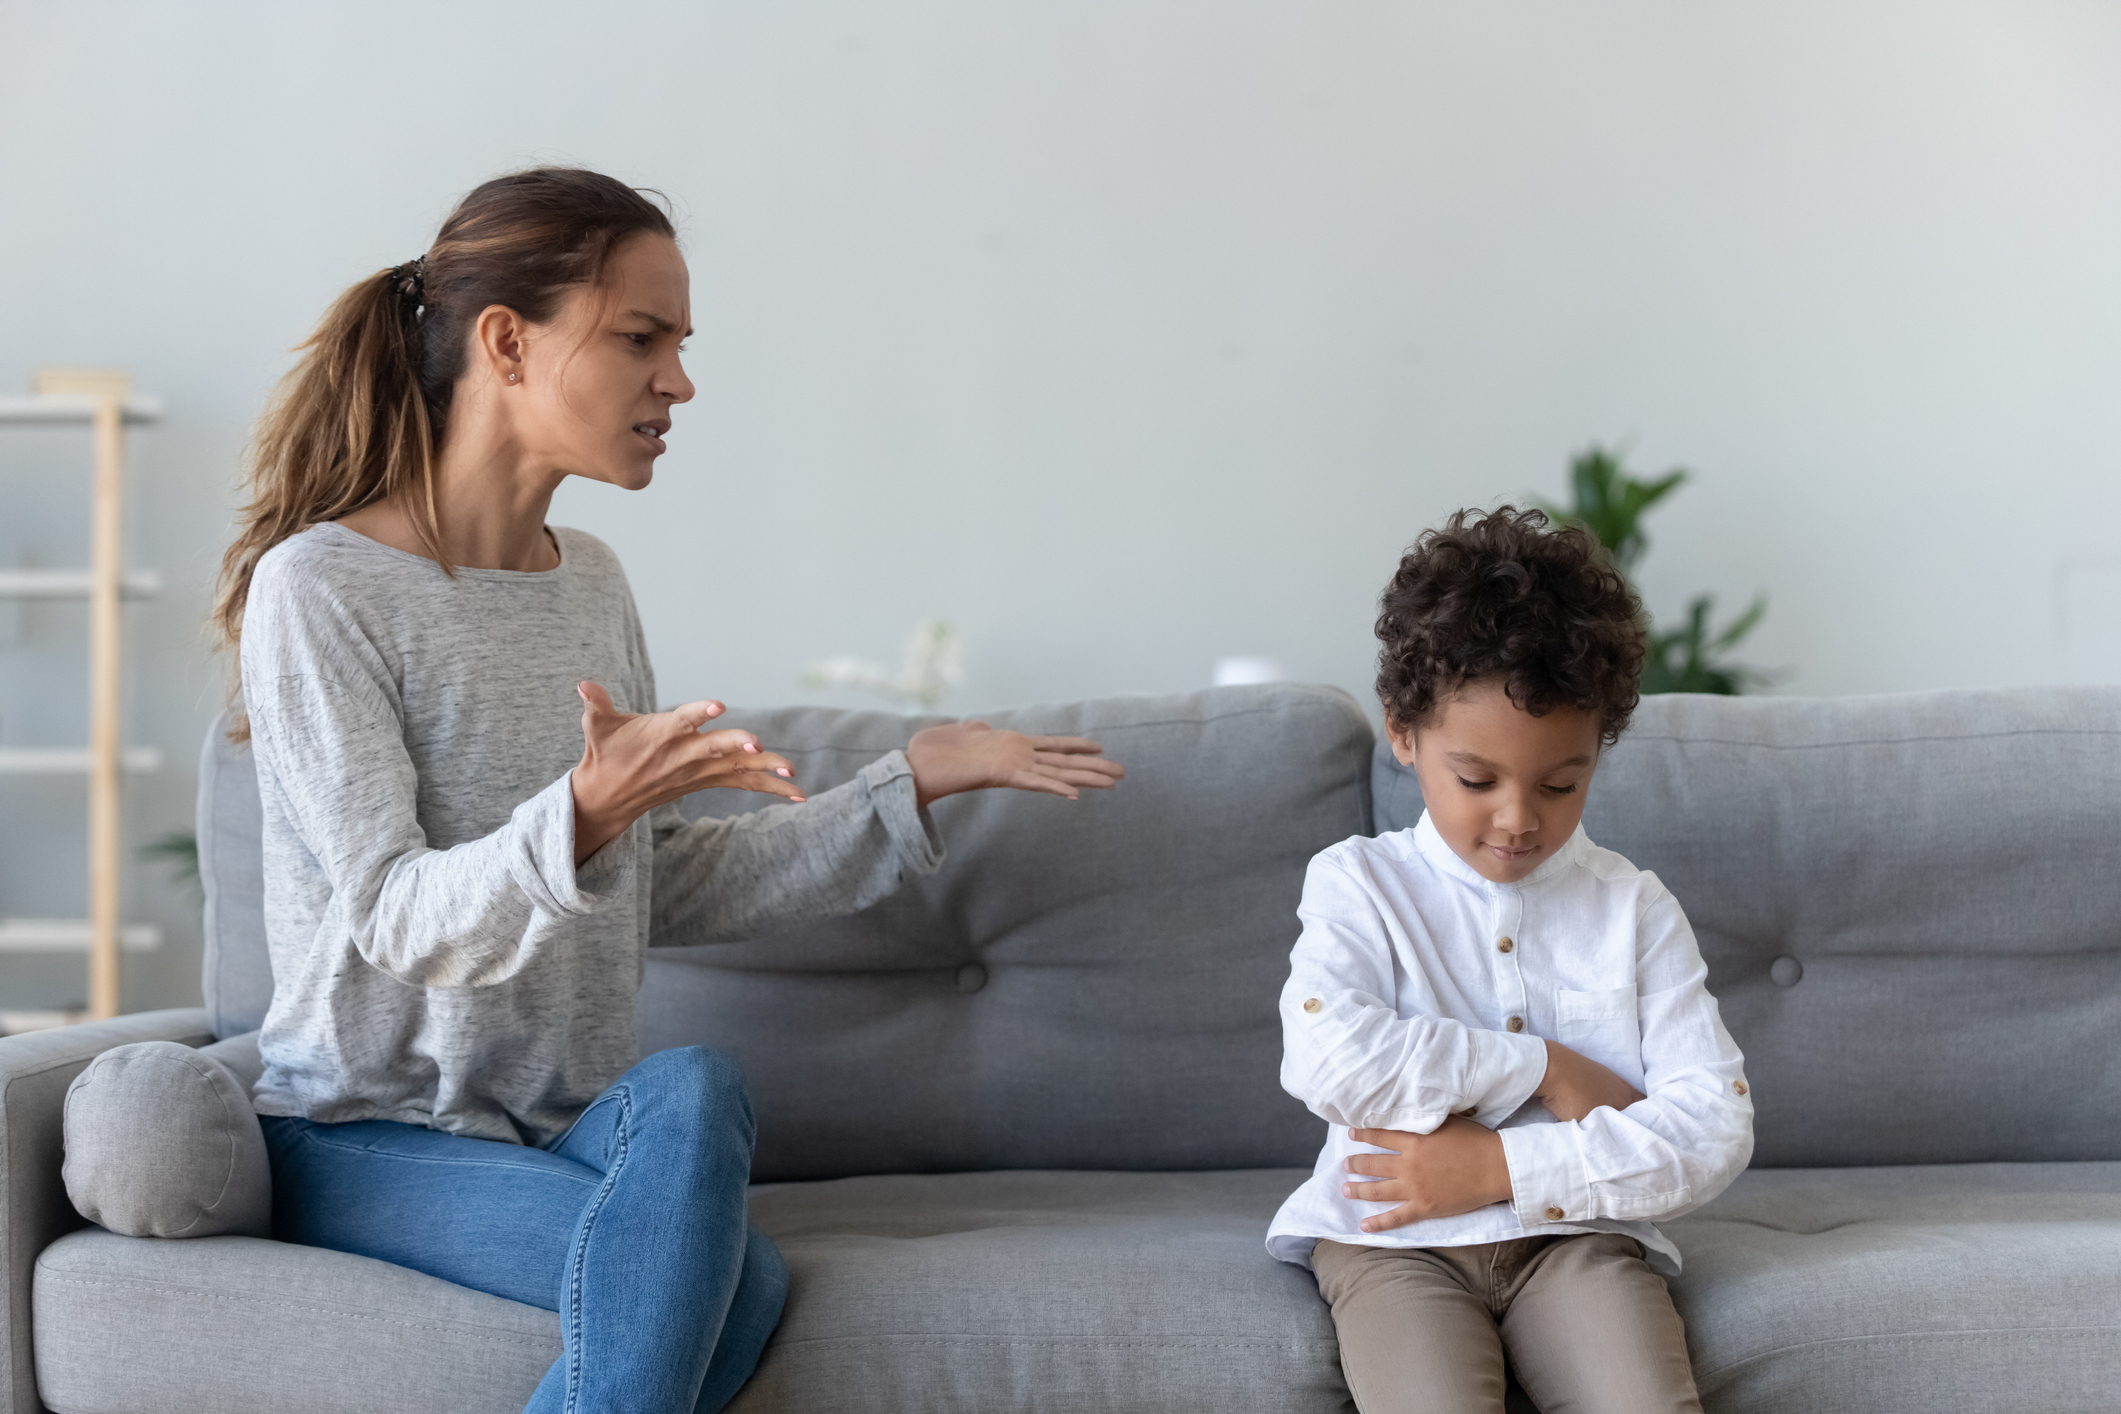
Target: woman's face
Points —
{"points": [[598, 382]]}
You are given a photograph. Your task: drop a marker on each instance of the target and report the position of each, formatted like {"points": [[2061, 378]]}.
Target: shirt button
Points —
{"points": [[1516, 1023], [1504, 945], [1311, 1005], [1555, 1215], [1739, 1086]]}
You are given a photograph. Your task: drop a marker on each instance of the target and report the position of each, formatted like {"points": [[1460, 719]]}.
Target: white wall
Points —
{"points": [[1127, 335]]}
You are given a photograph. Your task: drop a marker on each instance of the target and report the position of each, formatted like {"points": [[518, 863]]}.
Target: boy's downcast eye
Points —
{"points": [[1474, 785], [1569, 789]]}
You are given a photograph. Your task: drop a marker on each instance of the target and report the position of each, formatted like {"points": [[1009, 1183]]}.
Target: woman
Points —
{"points": [[460, 875]]}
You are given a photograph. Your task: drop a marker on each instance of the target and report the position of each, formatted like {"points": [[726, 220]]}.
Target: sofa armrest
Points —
{"points": [[35, 1069]]}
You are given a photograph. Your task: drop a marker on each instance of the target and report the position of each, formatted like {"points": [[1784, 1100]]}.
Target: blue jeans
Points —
{"points": [[631, 1225]]}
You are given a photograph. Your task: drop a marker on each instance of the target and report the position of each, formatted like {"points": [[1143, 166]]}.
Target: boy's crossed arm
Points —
{"points": [[1354, 1061], [1460, 1165], [1432, 1089]]}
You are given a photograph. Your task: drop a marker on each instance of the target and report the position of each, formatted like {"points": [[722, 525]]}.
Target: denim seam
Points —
{"points": [[580, 1256]]}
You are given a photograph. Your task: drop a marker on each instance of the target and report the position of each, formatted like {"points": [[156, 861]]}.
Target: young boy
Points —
{"points": [[1505, 1025]]}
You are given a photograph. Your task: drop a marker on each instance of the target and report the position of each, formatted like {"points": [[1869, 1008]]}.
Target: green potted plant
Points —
{"points": [[1608, 500]]}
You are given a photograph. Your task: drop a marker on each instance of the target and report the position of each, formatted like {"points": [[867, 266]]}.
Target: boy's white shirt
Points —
{"points": [[1397, 1015]]}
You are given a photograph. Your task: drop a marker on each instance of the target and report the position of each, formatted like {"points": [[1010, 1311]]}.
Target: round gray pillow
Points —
{"points": [[161, 1141]]}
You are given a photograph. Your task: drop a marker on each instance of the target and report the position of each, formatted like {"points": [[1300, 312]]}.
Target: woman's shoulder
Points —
{"points": [[314, 564], [585, 552], [331, 560]]}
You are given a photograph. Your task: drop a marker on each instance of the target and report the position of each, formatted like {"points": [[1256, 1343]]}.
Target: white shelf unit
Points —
{"points": [[100, 400], [76, 409], [73, 760], [70, 935], [74, 584]]}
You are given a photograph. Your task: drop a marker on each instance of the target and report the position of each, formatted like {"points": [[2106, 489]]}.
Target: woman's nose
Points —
{"points": [[674, 385]]}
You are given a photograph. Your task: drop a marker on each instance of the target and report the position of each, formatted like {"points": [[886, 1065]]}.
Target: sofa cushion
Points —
{"points": [[1044, 1291], [241, 1325], [1898, 1290], [161, 1141], [1905, 905], [237, 976], [1081, 985]]}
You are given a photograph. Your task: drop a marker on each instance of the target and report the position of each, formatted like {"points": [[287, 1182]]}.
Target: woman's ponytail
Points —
{"points": [[360, 418], [348, 427]]}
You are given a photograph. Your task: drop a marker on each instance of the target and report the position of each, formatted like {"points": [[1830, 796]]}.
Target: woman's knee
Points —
{"points": [[765, 1271], [702, 1080]]}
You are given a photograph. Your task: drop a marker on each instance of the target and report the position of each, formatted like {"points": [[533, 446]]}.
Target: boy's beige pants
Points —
{"points": [[1588, 1327]]}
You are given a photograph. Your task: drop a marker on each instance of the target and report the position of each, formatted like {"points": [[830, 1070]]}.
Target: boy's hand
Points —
{"points": [[1575, 1085], [1458, 1168]]}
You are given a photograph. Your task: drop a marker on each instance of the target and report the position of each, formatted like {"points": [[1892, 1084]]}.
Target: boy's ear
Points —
{"points": [[1402, 739]]}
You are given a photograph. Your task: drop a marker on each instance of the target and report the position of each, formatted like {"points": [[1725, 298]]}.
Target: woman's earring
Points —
{"points": [[511, 378]]}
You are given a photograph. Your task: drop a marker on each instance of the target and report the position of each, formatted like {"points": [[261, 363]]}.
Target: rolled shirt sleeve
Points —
{"points": [[1682, 1144]]}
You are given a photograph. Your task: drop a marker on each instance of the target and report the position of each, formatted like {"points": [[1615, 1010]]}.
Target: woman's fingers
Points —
{"points": [[1073, 745], [730, 741], [1088, 780], [1076, 762], [1038, 781], [1084, 770], [698, 714], [730, 763], [594, 698], [765, 783]]}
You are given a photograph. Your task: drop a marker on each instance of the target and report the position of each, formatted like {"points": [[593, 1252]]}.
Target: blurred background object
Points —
{"points": [[1609, 501], [932, 664], [1118, 336], [1241, 671]]}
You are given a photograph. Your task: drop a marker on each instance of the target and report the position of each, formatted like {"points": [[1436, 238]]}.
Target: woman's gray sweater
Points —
{"points": [[437, 957]]}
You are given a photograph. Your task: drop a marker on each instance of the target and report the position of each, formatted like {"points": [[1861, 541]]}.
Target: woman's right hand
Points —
{"points": [[635, 761]]}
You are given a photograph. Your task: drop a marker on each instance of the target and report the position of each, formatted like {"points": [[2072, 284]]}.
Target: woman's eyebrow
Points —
{"points": [[655, 321]]}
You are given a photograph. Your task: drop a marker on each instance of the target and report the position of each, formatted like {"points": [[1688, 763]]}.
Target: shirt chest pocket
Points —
{"points": [[1602, 1026]]}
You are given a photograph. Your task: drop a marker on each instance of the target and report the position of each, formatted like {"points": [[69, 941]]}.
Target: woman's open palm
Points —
{"points": [[972, 755], [635, 761]]}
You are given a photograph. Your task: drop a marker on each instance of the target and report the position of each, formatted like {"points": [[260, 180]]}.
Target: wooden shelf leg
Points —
{"points": [[106, 568]]}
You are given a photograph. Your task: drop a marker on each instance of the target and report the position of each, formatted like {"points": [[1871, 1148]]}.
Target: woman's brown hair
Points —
{"points": [[361, 416]]}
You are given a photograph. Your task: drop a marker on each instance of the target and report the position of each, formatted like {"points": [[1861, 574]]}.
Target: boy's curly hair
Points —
{"points": [[1506, 594]]}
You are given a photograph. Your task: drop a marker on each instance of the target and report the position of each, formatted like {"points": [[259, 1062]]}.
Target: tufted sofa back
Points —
{"points": [[1081, 985], [1909, 906]]}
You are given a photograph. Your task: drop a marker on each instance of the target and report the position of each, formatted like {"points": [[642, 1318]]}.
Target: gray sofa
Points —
{"points": [[1020, 1132]]}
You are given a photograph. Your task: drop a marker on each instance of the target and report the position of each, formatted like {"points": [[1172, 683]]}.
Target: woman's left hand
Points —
{"points": [[971, 755]]}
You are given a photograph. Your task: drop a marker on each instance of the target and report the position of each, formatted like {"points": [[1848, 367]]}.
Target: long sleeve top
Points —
{"points": [[438, 957], [1419, 989]]}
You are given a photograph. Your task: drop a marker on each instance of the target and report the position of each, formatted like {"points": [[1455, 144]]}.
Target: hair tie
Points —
{"points": [[410, 281]]}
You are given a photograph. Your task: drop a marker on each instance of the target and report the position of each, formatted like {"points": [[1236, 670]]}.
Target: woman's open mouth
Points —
{"points": [[652, 433]]}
